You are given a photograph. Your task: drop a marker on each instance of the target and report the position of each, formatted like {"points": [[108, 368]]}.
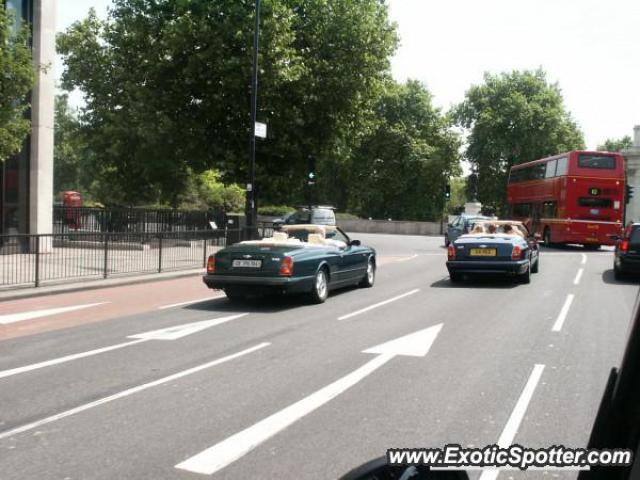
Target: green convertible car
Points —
{"points": [[311, 259]]}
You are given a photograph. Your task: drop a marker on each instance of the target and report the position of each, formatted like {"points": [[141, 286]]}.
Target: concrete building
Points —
{"points": [[632, 156], [26, 181]]}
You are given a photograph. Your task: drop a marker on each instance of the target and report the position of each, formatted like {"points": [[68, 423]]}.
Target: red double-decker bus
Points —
{"points": [[576, 197]]}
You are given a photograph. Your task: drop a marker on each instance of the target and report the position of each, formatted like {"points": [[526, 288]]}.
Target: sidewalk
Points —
{"points": [[29, 292]]}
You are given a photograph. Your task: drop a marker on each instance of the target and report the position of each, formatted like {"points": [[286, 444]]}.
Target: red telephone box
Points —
{"points": [[72, 201]]}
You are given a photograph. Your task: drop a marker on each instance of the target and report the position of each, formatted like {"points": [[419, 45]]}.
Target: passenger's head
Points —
{"points": [[477, 228], [491, 228], [508, 229]]}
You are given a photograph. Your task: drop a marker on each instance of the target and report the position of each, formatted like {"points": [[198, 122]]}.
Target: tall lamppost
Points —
{"points": [[250, 210]]}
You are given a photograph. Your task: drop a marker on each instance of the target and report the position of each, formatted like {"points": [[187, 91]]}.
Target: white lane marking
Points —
{"points": [[576, 280], [407, 258], [67, 358], [513, 424], [584, 259], [171, 333], [20, 317], [376, 305], [563, 313], [130, 391], [190, 302], [236, 446]]}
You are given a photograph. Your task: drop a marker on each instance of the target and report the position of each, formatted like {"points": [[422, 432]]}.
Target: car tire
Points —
{"points": [[234, 296], [592, 246], [320, 288], [618, 274], [369, 277], [535, 268], [526, 277], [446, 240], [455, 277]]}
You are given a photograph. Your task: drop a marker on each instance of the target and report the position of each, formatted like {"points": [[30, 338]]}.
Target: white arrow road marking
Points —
{"points": [[511, 428], [130, 391], [171, 333], [584, 259], [228, 451], [376, 305], [179, 331], [563, 313], [20, 317]]}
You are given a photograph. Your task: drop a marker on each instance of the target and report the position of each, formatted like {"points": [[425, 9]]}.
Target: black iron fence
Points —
{"points": [[133, 220], [35, 260]]}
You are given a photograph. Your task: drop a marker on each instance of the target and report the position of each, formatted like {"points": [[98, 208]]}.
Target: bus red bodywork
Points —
{"points": [[576, 197]]}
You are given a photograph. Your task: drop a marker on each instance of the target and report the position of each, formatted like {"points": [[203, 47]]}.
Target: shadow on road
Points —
{"points": [[629, 279], [486, 281]]}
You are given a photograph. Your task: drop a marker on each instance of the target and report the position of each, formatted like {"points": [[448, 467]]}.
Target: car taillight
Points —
{"points": [[624, 246], [451, 252], [286, 268], [516, 253], [211, 264]]}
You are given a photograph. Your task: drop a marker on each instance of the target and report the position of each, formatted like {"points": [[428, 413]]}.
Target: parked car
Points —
{"points": [[318, 215], [513, 252], [311, 259], [626, 258], [459, 226]]}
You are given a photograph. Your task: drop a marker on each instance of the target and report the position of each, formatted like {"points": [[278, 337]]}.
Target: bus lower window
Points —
{"points": [[595, 202]]}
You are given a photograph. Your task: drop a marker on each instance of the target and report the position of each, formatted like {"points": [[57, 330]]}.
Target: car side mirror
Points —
{"points": [[354, 243], [379, 469]]}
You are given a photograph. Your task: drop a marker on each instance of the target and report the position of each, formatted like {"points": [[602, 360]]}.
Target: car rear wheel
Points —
{"points": [[617, 272], [369, 277], [535, 268], [526, 277], [235, 296], [320, 289], [455, 277]]}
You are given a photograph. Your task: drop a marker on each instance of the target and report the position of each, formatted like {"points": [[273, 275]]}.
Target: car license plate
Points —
{"points": [[483, 252], [247, 263]]}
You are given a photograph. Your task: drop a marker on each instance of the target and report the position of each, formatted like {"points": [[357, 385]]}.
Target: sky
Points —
{"points": [[590, 47]]}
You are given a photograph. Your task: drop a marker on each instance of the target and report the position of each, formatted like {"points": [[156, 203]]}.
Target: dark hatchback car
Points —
{"points": [[510, 250], [626, 258]]}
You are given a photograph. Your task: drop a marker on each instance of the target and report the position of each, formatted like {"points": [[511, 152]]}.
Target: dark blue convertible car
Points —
{"points": [[311, 259], [494, 247]]}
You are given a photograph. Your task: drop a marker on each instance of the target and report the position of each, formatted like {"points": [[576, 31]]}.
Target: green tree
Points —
{"points": [[402, 166], [458, 194], [18, 75], [167, 90], [206, 190], [616, 144], [513, 118], [69, 150]]}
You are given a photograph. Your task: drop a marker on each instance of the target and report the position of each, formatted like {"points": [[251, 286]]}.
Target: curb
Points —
{"points": [[31, 292]]}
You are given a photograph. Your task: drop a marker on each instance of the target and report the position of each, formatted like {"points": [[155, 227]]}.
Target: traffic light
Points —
{"points": [[447, 191], [311, 170], [629, 193]]}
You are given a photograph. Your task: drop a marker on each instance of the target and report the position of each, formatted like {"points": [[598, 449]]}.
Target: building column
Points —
{"points": [[632, 156], [42, 118]]}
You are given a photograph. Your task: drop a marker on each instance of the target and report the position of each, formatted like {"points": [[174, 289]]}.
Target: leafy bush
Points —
{"points": [[275, 210]]}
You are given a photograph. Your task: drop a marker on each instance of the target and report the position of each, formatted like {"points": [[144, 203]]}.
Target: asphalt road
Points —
{"points": [[282, 389]]}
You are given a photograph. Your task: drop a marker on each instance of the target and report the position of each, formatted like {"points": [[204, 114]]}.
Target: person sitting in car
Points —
{"points": [[491, 228], [477, 229]]}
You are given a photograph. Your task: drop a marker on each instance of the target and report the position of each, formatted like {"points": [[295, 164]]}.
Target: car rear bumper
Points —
{"points": [[483, 266], [628, 263], [281, 284]]}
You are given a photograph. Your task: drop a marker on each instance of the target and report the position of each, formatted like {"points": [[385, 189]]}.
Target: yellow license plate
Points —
{"points": [[483, 252]]}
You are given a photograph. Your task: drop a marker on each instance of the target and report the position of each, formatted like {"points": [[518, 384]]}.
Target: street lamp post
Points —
{"points": [[250, 210]]}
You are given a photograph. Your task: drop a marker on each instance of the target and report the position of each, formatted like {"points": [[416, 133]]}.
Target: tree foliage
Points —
{"points": [[167, 91], [513, 118], [18, 75], [401, 168], [616, 144]]}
